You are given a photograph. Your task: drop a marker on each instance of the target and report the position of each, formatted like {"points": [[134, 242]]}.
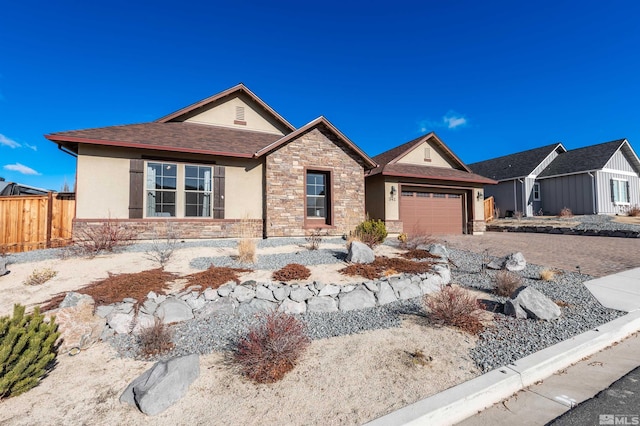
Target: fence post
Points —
{"points": [[49, 218]]}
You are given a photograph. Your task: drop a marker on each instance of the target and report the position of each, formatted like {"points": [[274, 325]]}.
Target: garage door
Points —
{"points": [[423, 212]]}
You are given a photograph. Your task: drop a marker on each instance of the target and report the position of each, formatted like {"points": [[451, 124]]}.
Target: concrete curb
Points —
{"points": [[466, 399]]}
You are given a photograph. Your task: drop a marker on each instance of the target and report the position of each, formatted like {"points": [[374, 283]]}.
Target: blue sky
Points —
{"points": [[489, 77]]}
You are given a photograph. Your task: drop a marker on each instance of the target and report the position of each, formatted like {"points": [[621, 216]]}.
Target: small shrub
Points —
{"points": [[271, 349], [107, 236], [155, 339], [246, 250], [518, 215], [315, 238], [40, 276], [455, 307], [417, 357], [292, 271], [27, 350], [547, 274], [634, 211], [161, 251], [371, 232], [403, 238], [506, 283], [566, 212], [415, 241]]}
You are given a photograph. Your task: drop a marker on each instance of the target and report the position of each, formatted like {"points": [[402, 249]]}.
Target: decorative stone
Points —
{"points": [[152, 295], [322, 304], [243, 294], [73, 299], [129, 300], [431, 284], [257, 305], [121, 323], [513, 309], [300, 294], [149, 306], [444, 273], [124, 308], [196, 303], [371, 286], [162, 385], [515, 262], [3, 268], [281, 293], [225, 290], [329, 290], [264, 293], [78, 326], [347, 288], [104, 310], [210, 294], [535, 304], [143, 321], [360, 253], [386, 294], [174, 310], [289, 306], [224, 305], [360, 298], [440, 251]]}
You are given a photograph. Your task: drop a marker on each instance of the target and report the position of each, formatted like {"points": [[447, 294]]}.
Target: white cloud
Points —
{"points": [[451, 120], [8, 142], [21, 168], [33, 147]]}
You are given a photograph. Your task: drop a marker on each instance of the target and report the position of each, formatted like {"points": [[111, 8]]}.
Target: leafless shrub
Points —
{"points": [[455, 307], [40, 276], [246, 243], [162, 250], [565, 212], [315, 238], [271, 349], [108, 236], [506, 283], [155, 339], [634, 211], [416, 240]]}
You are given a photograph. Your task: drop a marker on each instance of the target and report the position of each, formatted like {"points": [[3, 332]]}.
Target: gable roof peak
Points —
{"points": [[238, 88]]}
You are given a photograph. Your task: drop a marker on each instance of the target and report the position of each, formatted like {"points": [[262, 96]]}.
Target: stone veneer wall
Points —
{"points": [[146, 229], [479, 226], [285, 179], [394, 226]]}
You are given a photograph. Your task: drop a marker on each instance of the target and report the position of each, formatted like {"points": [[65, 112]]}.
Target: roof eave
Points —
{"points": [[485, 181]]}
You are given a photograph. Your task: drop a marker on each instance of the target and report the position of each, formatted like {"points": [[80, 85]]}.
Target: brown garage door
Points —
{"points": [[423, 212]]}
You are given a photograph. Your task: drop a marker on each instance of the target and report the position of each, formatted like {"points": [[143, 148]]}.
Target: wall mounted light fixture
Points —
{"points": [[392, 193], [480, 196]]}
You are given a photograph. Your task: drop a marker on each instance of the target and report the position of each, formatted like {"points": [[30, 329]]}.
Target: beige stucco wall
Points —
{"points": [[224, 114], [102, 185], [416, 156], [392, 207]]}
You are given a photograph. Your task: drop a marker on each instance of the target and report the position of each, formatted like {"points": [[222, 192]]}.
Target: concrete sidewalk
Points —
{"points": [[540, 387]]}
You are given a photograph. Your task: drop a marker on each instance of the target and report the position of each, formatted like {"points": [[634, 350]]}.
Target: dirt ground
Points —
{"points": [[342, 380]]}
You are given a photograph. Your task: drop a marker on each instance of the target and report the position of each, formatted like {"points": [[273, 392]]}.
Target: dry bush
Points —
{"points": [[246, 250], [381, 265], [162, 250], [547, 274], [40, 276], [634, 211], [565, 212], [108, 236], [155, 339], [114, 288], [455, 307], [414, 241], [292, 271], [214, 277], [506, 283], [315, 238], [271, 349]]}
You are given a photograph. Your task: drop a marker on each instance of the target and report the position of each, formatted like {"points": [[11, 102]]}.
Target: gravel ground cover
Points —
{"points": [[504, 342]]}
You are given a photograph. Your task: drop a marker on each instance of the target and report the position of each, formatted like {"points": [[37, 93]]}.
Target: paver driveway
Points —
{"points": [[597, 256]]}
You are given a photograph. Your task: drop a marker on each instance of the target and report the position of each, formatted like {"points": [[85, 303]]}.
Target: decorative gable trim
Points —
{"points": [[427, 138]]}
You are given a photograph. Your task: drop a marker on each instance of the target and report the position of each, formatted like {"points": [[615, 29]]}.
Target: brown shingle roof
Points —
{"points": [[437, 173], [173, 136]]}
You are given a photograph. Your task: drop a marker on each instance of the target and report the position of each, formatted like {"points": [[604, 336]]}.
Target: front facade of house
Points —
{"points": [[597, 179], [422, 188], [231, 166]]}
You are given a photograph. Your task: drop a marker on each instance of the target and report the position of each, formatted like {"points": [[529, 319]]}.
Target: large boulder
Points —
{"points": [[360, 298], [300, 294], [289, 306], [221, 306], [527, 300], [386, 294], [78, 326], [243, 294], [360, 253], [174, 310], [3, 267], [404, 288], [513, 262], [322, 304], [162, 385]]}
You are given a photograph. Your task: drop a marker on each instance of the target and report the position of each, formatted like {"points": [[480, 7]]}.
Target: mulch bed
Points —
{"points": [[292, 271], [214, 277], [386, 266], [419, 254]]}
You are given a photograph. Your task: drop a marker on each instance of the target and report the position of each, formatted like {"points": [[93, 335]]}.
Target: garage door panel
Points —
{"points": [[424, 212]]}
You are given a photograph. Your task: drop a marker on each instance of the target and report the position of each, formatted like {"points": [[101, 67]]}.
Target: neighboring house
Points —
{"points": [[597, 179], [216, 168], [230, 162], [422, 187]]}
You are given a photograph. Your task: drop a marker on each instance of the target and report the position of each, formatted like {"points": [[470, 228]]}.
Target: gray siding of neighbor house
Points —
{"points": [[502, 194], [572, 191], [605, 204], [534, 206], [528, 190], [619, 162]]}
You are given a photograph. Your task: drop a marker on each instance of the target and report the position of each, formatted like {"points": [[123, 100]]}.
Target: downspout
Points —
{"points": [[524, 202], [593, 191], [515, 198]]}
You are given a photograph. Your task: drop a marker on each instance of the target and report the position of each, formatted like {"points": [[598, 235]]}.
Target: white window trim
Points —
{"points": [[536, 185], [180, 191], [621, 203]]}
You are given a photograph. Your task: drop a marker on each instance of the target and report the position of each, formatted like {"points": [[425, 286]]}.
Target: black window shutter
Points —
{"points": [[613, 195], [136, 189], [218, 192], [628, 194]]}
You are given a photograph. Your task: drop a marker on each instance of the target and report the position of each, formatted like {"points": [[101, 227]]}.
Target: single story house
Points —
{"points": [[422, 187], [227, 166], [596, 179]]}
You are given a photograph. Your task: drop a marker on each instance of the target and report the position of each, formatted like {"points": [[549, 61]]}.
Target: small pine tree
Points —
{"points": [[27, 349]]}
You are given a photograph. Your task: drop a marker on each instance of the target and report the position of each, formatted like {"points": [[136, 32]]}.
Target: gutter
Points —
{"points": [[67, 151]]}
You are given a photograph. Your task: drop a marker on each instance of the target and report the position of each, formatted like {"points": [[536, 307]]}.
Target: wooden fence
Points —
{"points": [[35, 222], [488, 209]]}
